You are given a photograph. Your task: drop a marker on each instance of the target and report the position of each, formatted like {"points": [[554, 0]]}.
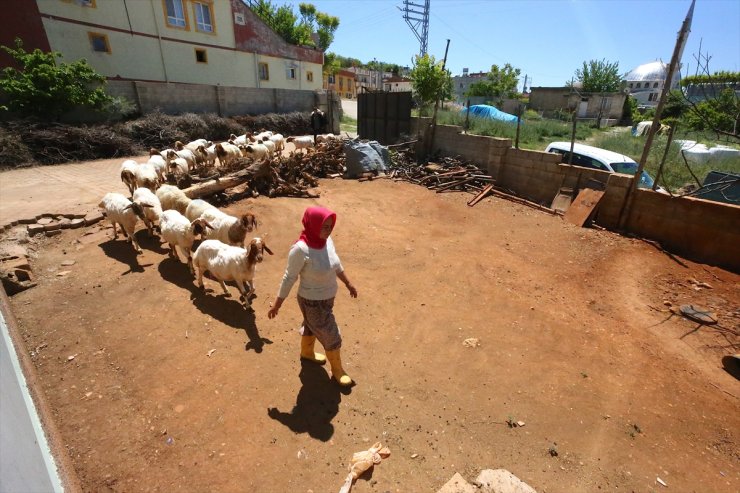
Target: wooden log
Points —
{"points": [[206, 188]]}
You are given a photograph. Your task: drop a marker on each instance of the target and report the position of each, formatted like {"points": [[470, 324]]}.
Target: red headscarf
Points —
{"points": [[313, 219]]}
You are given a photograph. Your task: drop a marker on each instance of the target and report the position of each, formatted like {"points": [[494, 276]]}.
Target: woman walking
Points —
{"points": [[314, 260]]}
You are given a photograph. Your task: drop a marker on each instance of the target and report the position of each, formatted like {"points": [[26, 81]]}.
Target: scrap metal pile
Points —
{"points": [[443, 174]]}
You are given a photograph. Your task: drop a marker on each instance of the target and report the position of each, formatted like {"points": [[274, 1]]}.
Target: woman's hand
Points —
{"points": [[352, 290], [274, 308]]}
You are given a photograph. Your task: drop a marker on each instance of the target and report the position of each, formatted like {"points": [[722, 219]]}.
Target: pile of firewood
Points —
{"points": [[281, 176]]}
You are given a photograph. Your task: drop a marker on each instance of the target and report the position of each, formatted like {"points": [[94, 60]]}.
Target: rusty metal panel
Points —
{"points": [[383, 116]]}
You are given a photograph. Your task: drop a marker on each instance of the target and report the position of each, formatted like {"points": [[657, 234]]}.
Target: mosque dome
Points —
{"points": [[656, 70]]}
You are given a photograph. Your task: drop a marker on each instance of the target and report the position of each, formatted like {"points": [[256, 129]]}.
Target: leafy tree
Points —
{"points": [[429, 80], [599, 76], [45, 87], [500, 83], [297, 31], [332, 63], [720, 114]]}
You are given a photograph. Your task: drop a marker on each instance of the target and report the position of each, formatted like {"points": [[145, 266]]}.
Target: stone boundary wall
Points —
{"points": [[698, 229], [171, 97]]}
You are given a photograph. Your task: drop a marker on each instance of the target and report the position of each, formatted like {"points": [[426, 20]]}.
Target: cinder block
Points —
{"points": [[35, 229], [93, 218], [52, 226], [77, 223]]}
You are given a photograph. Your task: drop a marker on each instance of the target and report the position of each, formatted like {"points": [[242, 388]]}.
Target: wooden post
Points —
{"points": [[467, 118], [665, 155], [436, 105], [518, 124], [573, 135], [683, 35]]}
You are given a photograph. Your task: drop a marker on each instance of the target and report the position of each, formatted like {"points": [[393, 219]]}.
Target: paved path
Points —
{"points": [[67, 188], [26, 463], [349, 106]]}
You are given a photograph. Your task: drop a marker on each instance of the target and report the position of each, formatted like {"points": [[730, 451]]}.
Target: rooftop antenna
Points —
{"points": [[418, 20]]}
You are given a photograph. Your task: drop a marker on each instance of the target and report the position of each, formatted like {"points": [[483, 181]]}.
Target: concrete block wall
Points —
{"points": [[176, 98], [696, 228], [702, 230]]}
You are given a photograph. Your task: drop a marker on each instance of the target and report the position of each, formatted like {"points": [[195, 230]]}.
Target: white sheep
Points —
{"points": [[327, 138], [159, 163], [193, 145], [152, 208], [230, 263], [270, 145], [120, 210], [128, 174], [172, 198], [279, 141], [303, 142], [229, 229], [260, 136], [178, 231], [186, 154], [255, 151], [196, 208], [207, 154], [178, 167], [239, 140], [227, 153], [146, 176]]}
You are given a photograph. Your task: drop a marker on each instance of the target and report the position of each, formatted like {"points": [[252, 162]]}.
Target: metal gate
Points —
{"points": [[383, 116]]}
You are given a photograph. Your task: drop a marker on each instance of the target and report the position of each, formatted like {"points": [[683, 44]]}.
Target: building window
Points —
{"points": [[309, 76], [638, 85], [264, 71], [99, 42], [655, 85], [341, 84], [631, 85], [175, 14], [201, 56], [82, 3], [291, 73], [330, 79], [203, 16]]}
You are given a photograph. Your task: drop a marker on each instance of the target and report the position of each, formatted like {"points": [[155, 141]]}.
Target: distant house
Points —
{"points": [[396, 83], [645, 83], [219, 43], [343, 83], [461, 84], [553, 101], [368, 80]]}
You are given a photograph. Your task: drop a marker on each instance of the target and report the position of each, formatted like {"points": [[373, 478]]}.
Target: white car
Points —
{"points": [[597, 158]]}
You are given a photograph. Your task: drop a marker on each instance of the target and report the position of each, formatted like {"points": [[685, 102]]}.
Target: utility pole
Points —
{"points": [[418, 21], [683, 35]]}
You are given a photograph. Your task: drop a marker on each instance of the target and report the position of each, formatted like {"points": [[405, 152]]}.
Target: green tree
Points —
{"points": [[332, 63], [599, 76], [429, 80], [720, 114], [500, 83], [45, 87], [297, 31]]}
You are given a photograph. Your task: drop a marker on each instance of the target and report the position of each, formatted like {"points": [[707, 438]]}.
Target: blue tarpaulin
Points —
{"points": [[490, 112]]}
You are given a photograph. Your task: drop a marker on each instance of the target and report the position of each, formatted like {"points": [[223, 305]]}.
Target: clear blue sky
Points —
{"points": [[547, 39]]}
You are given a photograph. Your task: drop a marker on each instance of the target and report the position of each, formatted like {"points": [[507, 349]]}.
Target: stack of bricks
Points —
{"points": [[53, 224], [15, 270]]}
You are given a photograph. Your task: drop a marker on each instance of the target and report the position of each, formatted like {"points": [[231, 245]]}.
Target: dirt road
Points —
{"points": [[156, 386]]}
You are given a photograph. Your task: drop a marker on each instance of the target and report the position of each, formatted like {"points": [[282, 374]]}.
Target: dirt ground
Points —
{"points": [[156, 386]]}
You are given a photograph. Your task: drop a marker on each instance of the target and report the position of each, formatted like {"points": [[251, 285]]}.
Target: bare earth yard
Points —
{"points": [[171, 389]]}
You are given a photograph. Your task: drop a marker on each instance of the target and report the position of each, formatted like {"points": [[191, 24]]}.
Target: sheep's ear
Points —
{"points": [[207, 224], [144, 204], [128, 206], [266, 248]]}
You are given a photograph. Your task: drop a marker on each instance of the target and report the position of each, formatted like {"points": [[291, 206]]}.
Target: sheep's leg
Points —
{"points": [[244, 294], [115, 233], [199, 279], [189, 258], [173, 251], [133, 241], [223, 286], [250, 288]]}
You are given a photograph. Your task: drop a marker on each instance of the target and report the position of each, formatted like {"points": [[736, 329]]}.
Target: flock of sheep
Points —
{"points": [[181, 221]]}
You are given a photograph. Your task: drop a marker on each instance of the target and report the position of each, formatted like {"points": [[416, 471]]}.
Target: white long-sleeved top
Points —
{"points": [[317, 269]]}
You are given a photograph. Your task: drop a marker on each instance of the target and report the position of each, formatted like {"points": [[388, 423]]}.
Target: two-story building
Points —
{"points": [[212, 42], [396, 83], [343, 83]]}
